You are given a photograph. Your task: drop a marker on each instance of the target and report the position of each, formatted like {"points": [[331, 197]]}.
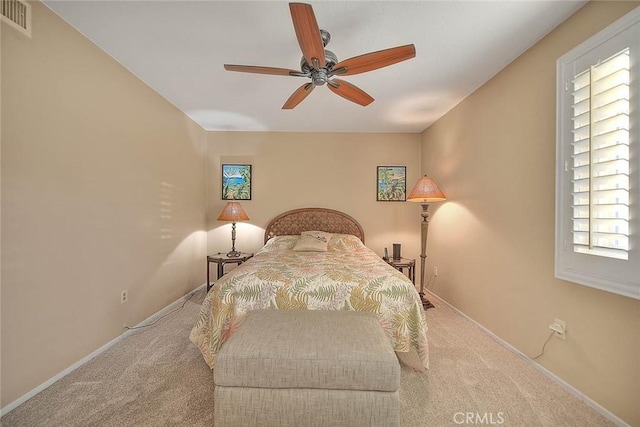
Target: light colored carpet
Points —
{"points": [[155, 376]]}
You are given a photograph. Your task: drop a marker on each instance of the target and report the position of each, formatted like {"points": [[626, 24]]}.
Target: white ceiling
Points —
{"points": [[179, 48]]}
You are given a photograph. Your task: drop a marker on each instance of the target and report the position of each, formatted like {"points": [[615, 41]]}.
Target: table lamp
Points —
{"points": [[233, 212]]}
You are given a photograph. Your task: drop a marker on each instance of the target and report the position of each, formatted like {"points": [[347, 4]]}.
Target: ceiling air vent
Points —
{"points": [[17, 14]]}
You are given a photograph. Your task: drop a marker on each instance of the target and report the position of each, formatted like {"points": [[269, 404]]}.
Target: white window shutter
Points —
{"points": [[598, 160], [601, 158]]}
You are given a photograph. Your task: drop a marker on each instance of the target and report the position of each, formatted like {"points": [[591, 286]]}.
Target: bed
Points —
{"points": [[345, 276]]}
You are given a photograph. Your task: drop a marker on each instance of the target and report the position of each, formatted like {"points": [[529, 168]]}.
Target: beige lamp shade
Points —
{"points": [[233, 212], [426, 191]]}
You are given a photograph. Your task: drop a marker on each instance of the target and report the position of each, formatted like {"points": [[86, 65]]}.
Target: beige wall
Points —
{"points": [[493, 242], [331, 170], [102, 190]]}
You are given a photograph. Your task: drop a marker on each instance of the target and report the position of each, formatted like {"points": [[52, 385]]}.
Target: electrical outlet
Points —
{"points": [[435, 270], [123, 297], [559, 328]]}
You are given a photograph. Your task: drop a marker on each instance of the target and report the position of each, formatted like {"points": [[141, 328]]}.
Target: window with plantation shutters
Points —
{"points": [[598, 173], [600, 160]]}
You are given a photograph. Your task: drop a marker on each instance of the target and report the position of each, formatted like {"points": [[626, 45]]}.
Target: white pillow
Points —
{"points": [[278, 243], [315, 241], [344, 243]]}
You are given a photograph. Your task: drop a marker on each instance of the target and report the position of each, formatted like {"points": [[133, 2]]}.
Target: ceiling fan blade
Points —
{"points": [[298, 96], [308, 33], [350, 92], [263, 70], [373, 60]]}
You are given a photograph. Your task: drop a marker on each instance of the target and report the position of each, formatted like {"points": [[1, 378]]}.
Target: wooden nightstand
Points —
{"points": [[401, 264], [222, 259]]}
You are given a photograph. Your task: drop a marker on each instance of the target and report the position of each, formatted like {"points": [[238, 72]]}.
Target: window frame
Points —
{"points": [[608, 274]]}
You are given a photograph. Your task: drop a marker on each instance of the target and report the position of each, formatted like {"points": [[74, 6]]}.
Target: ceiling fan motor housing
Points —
{"points": [[320, 76]]}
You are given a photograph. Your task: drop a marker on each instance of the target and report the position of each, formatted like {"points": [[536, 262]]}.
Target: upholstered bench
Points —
{"points": [[307, 368]]}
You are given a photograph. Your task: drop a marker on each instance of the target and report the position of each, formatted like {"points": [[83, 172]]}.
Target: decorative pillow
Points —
{"points": [[344, 243], [315, 241], [278, 243]]}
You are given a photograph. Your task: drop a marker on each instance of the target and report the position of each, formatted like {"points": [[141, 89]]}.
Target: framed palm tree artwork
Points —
{"points": [[392, 184], [236, 182]]}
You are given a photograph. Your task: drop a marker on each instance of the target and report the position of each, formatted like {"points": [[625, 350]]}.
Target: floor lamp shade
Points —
{"points": [[425, 191], [233, 212]]}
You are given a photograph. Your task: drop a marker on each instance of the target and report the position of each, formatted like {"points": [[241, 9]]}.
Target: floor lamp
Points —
{"points": [[425, 191]]}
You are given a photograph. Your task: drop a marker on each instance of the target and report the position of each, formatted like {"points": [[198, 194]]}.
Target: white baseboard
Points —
{"points": [[99, 351], [568, 387]]}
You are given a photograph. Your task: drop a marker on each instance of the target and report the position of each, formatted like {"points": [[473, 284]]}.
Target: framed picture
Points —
{"points": [[392, 184], [236, 182]]}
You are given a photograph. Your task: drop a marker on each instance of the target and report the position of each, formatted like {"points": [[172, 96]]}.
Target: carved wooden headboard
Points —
{"points": [[313, 219]]}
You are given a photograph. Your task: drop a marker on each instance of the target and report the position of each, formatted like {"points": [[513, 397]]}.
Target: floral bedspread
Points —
{"points": [[348, 276]]}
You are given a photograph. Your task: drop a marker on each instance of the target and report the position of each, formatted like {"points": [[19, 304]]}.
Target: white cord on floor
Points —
{"points": [[543, 346], [161, 317]]}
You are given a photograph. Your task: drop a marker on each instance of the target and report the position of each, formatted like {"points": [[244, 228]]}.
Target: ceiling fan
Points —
{"points": [[322, 65]]}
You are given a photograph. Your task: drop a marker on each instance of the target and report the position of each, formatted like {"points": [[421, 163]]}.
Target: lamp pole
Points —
{"points": [[233, 252], [424, 228]]}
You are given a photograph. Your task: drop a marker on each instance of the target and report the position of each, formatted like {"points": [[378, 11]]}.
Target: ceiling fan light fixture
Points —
{"points": [[319, 77]]}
